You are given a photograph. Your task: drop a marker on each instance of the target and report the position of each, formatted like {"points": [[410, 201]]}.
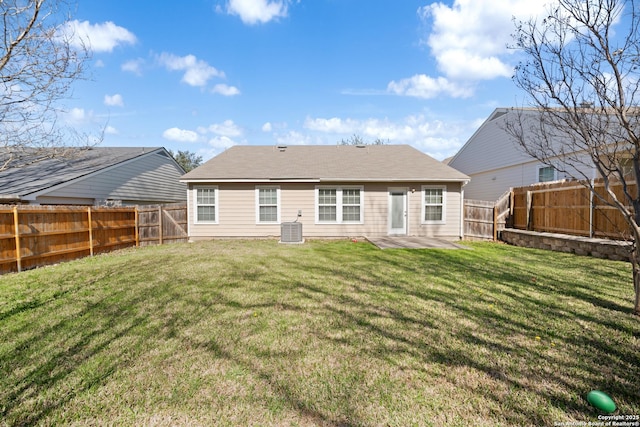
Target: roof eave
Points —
{"points": [[332, 180], [4, 198]]}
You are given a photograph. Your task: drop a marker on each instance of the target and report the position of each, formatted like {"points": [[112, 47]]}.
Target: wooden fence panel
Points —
{"points": [[568, 208], [162, 224], [483, 220], [478, 219], [32, 236], [113, 229], [8, 260]]}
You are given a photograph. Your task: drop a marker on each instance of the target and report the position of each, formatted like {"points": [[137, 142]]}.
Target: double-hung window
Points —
{"points": [[339, 205], [206, 204], [267, 205], [433, 204], [546, 174], [351, 205], [327, 205]]}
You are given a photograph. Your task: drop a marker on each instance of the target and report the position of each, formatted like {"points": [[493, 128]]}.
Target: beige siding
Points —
{"points": [[237, 212], [147, 179]]}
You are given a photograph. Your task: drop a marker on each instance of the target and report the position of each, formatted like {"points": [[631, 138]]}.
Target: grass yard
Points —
{"points": [[325, 333]]}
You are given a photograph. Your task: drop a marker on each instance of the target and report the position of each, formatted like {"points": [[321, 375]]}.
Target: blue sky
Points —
{"points": [[203, 75]]}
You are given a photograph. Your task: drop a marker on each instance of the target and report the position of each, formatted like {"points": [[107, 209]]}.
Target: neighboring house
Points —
{"points": [[495, 163], [93, 176], [334, 191]]}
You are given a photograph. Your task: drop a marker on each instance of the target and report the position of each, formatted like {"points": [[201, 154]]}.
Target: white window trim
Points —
{"points": [[423, 203], [195, 203], [555, 173], [338, 189], [257, 193]]}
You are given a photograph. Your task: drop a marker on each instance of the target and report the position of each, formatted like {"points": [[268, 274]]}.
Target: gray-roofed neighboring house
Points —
{"points": [[334, 191], [93, 176]]}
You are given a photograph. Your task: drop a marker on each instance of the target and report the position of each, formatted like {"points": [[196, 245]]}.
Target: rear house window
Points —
{"points": [[206, 205], [433, 205]]}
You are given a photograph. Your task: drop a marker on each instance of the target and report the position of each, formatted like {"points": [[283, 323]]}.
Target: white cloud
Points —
{"points": [[98, 37], [110, 130], [225, 90], [422, 86], [196, 71], [469, 38], [223, 142], [267, 127], [133, 66], [76, 114], [257, 11], [332, 125], [295, 138], [114, 100], [438, 138], [226, 128], [180, 135]]}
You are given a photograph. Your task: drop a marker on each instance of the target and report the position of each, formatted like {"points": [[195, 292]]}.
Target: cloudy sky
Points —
{"points": [[203, 75]]}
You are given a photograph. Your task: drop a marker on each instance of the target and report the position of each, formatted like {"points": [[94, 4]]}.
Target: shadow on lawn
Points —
{"points": [[598, 363], [369, 302], [69, 367]]}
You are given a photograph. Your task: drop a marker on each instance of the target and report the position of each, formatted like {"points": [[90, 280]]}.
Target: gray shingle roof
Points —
{"points": [[43, 172], [324, 163]]}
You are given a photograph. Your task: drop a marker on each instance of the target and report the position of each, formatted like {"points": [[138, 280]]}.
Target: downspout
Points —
{"points": [[189, 210]]}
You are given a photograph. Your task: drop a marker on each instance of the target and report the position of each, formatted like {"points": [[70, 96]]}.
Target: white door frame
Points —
{"points": [[398, 231]]}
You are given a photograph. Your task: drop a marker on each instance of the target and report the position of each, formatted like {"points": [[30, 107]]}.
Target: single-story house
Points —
{"points": [[91, 176], [334, 191], [495, 163]]}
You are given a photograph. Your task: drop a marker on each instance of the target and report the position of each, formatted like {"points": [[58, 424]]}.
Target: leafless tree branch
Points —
{"points": [[582, 81], [38, 66]]}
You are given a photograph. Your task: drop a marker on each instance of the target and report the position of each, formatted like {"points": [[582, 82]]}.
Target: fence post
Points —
{"points": [[591, 208], [529, 203], [137, 226], [89, 218], [495, 223], [16, 223], [160, 224]]}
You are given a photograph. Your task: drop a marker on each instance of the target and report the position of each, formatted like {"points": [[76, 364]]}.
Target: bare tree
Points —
{"points": [[38, 65], [358, 140], [581, 77]]}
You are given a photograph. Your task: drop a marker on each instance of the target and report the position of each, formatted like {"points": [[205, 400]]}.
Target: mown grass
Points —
{"points": [[325, 333]]}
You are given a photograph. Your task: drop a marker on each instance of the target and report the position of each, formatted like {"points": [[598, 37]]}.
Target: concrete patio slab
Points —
{"points": [[406, 242]]}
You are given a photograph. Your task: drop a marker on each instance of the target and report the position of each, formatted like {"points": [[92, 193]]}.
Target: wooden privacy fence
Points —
{"points": [[569, 208], [158, 225], [483, 220], [32, 236]]}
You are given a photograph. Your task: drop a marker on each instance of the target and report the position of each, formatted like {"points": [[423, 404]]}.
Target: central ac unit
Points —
{"points": [[291, 232]]}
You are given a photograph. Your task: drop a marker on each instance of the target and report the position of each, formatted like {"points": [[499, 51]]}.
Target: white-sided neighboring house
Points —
{"points": [[94, 176], [334, 191], [495, 163]]}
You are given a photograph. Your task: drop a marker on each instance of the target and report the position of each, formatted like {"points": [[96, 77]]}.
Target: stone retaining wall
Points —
{"points": [[599, 248]]}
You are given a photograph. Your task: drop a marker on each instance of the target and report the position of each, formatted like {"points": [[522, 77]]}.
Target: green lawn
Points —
{"points": [[326, 333]]}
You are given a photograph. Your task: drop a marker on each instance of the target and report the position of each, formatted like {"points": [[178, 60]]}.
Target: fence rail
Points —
{"points": [[32, 236]]}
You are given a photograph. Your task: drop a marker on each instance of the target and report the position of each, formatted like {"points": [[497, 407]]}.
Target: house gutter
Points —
{"points": [[464, 181]]}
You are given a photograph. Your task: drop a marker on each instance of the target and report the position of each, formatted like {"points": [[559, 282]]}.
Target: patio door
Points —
{"points": [[398, 212]]}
